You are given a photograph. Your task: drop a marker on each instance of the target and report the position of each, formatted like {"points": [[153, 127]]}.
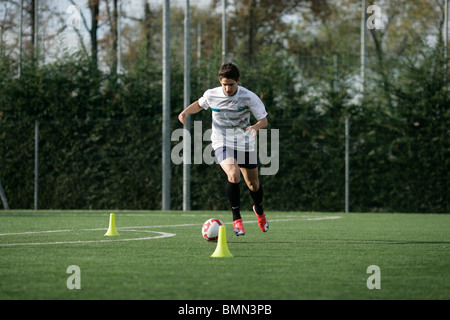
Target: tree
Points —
{"points": [[94, 9], [257, 23]]}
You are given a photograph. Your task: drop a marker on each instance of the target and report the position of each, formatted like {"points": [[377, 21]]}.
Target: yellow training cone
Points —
{"points": [[112, 231], [222, 247]]}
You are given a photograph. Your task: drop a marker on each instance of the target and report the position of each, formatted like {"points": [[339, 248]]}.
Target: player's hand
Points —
{"points": [[182, 117], [253, 131]]}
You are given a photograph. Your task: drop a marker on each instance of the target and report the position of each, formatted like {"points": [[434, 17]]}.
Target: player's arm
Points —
{"points": [[193, 108], [261, 124]]}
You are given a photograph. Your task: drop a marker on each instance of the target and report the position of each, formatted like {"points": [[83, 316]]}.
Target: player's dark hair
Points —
{"points": [[229, 71]]}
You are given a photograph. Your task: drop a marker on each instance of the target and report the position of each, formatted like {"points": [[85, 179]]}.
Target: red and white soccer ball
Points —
{"points": [[210, 229]]}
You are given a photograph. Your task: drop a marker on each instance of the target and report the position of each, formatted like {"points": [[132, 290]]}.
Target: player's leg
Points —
{"points": [[234, 193], [253, 184], [256, 192], [230, 167], [251, 178]]}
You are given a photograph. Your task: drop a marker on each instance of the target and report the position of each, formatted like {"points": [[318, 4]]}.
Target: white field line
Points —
{"points": [[161, 234], [185, 225], [32, 232], [307, 218], [322, 218]]}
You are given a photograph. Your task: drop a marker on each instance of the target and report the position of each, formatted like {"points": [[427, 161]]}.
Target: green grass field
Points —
{"points": [[161, 255]]}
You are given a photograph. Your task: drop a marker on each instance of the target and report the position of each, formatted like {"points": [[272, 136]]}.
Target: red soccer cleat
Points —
{"points": [[262, 221], [238, 227]]}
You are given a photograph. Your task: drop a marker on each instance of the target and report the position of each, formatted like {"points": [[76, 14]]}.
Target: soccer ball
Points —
{"points": [[210, 229]]}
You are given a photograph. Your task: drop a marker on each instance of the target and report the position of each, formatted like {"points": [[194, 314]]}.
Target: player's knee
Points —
{"points": [[234, 177], [253, 185]]}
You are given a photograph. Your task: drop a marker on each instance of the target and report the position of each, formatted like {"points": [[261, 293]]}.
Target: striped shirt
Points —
{"points": [[231, 117]]}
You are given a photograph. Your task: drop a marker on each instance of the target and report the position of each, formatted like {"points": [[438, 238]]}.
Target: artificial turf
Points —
{"points": [[302, 256]]}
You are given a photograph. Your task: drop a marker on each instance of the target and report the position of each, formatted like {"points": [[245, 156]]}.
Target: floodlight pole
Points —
{"points": [[166, 108], [187, 98]]}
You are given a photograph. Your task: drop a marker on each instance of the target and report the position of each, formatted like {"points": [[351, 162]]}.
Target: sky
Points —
{"points": [[69, 39]]}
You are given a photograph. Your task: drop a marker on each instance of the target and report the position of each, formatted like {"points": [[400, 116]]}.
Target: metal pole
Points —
{"points": [[199, 51], [347, 165], [347, 140], [347, 121], [363, 45], [446, 40], [166, 109], [446, 29], [187, 98], [119, 39], [3, 198], [36, 124], [20, 37], [224, 31], [36, 163], [36, 29]]}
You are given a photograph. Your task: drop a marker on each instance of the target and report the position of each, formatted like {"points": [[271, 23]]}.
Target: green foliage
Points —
{"points": [[100, 134], [401, 154]]}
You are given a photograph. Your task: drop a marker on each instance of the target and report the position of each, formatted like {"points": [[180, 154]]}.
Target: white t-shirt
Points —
{"points": [[231, 117]]}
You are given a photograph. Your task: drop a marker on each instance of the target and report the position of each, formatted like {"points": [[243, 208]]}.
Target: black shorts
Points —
{"points": [[245, 159]]}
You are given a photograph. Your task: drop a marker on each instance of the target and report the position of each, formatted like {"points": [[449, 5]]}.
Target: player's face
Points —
{"points": [[229, 86]]}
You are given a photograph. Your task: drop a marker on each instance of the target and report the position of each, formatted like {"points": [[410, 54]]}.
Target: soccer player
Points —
{"points": [[233, 138]]}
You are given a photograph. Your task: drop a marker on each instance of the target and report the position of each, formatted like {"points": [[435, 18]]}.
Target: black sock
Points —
{"points": [[234, 197], [257, 197]]}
